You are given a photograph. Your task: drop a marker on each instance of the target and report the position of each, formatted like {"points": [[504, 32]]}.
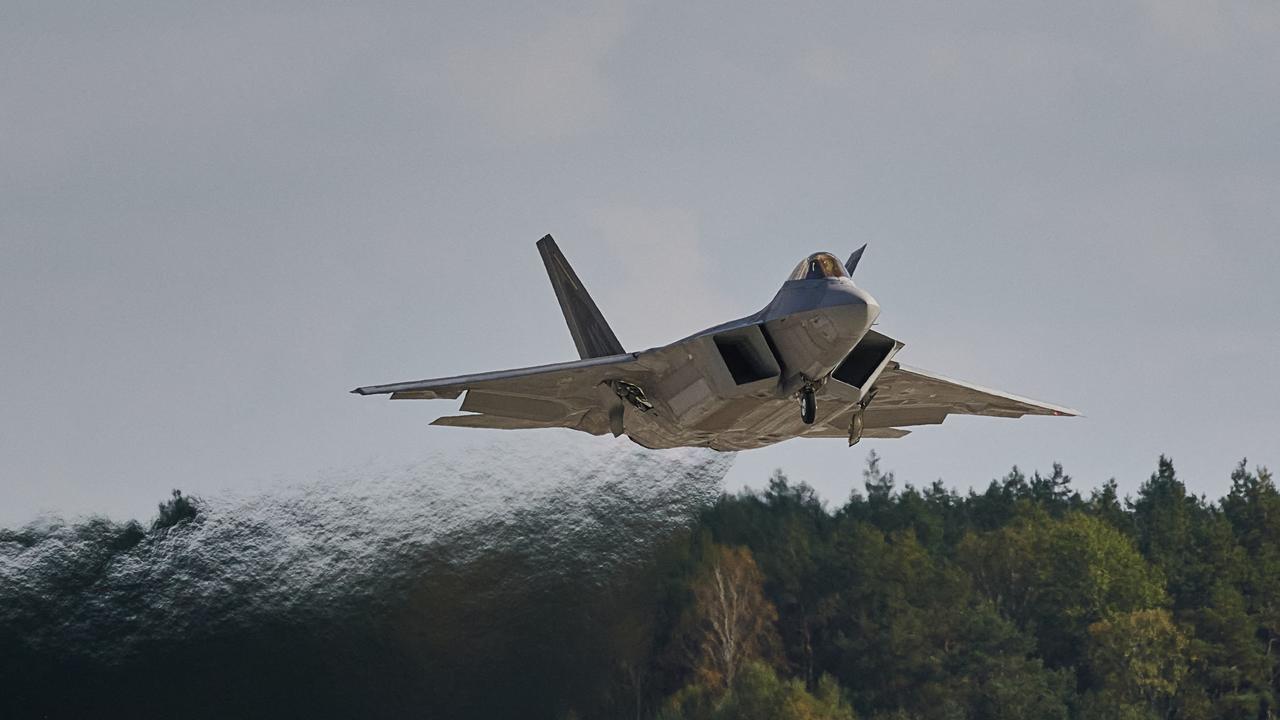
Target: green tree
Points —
{"points": [[1164, 517], [1253, 509], [1104, 504], [908, 635], [177, 509], [757, 693], [1053, 492], [1056, 577], [1229, 667], [1139, 658], [791, 558]]}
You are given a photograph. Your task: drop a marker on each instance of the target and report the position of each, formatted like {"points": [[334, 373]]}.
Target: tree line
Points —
{"points": [[1024, 600]]}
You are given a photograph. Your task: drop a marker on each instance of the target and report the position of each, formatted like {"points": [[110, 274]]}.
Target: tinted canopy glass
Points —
{"points": [[819, 265]]}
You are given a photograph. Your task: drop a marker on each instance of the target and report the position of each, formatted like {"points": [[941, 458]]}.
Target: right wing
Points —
{"points": [[568, 394], [911, 396], [906, 396]]}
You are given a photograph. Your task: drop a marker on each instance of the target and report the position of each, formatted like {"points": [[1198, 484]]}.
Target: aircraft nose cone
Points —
{"points": [[862, 296], [856, 307]]}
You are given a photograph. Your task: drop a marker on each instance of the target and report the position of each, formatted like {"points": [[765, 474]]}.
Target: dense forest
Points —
{"points": [[1026, 599]]}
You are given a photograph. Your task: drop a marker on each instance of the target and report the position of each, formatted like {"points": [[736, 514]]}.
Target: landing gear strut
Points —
{"points": [[808, 405], [855, 427], [857, 422]]}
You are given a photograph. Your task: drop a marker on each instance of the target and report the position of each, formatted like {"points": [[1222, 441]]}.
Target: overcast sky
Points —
{"points": [[217, 218]]}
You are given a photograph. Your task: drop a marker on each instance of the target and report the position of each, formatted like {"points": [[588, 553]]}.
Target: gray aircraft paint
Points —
{"points": [[733, 386]]}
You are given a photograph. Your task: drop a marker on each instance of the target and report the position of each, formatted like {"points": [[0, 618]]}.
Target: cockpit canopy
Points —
{"points": [[819, 265]]}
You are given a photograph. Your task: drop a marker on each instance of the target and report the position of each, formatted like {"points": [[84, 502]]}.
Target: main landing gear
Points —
{"points": [[632, 394], [808, 405], [857, 422], [856, 427]]}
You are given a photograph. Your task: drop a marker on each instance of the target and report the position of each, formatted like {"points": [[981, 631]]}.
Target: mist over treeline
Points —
{"points": [[629, 585], [387, 592]]}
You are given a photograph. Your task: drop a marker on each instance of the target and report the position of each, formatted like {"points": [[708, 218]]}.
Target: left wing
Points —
{"points": [[911, 396], [568, 394]]}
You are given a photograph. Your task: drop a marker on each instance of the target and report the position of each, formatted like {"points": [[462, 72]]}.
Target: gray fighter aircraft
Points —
{"points": [[807, 365]]}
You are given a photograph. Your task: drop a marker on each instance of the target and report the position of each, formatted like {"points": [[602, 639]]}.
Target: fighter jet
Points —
{"points": [[807, 365]]}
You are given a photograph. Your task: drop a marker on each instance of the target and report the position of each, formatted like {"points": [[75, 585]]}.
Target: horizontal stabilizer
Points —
{"points": [[591, 334]]}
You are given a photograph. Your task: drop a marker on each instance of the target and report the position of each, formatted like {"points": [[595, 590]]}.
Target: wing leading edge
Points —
{"points": [[449, 388], [567, 394]]}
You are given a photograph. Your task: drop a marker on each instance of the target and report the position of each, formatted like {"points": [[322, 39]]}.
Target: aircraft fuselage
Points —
{"points": [[798, 339]]}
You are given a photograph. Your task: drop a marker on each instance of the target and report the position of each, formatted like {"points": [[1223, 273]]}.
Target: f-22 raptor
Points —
{"points": [[807, 365]]}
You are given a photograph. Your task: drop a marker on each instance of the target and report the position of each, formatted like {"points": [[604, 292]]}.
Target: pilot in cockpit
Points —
{"points": [[817, 266]]}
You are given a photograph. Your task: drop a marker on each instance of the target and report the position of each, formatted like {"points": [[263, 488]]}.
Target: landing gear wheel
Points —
{"points": [[808, 406]]}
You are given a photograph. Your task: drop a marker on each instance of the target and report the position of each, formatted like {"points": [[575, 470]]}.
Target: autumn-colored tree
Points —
{"points": [[732, 621], [1139, 658]]}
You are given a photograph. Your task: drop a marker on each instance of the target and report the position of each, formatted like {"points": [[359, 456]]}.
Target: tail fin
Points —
{"points": [[590, 332], [852, 263]]}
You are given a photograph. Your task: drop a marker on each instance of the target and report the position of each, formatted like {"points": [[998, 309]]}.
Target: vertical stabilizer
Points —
{"points": [[590, 332], [852, 263]]}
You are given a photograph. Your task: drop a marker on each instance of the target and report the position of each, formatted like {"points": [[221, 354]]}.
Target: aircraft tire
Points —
{"points": [[808, 406]]}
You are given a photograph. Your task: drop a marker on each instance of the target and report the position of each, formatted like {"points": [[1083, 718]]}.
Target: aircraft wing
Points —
{"points": [[911, 396], [557, 395]]}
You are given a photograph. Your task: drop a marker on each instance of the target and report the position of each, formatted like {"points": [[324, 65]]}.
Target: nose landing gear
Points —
{"points": [[808, 405]]}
